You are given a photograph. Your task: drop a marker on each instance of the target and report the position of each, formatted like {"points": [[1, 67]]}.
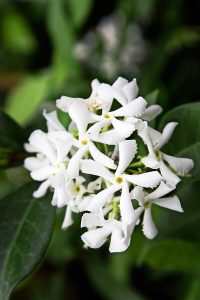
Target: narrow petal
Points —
{"points": [[161, 191], [100, 157], [95, 84], [144, 133], [111, 137], [52, 121], [90, 220], [68, 221], [133, 109], [95, 129], [63, 142], [91, 167], [137, 194], [181, 166], [105, 92], [95, 238], [118, 243], [119, 96], [155, 135], [152, 112], [39, 140], [171, 178], [172, 203], [61, 196], [120, 82], [79, 113], [101, 198], [74, 163], [150, 161], [166, 134], [124, 128], [32, 163], [126, 207], [41, 191], [149, 228], [65, 102], [42, 173], [147, 180], [131, 90], [127, 151]]}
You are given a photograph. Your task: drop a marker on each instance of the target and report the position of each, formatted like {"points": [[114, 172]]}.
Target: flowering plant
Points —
{"points": [[108, 165]]}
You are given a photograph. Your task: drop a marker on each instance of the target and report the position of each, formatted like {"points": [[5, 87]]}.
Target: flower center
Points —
{"points": [[107, 116], [84, 142], [119, 180]]}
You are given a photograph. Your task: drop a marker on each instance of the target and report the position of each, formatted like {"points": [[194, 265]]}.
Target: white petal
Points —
{"points": [[149, 228], [144, 133], [64, 102], [120, 82], [68, 221], [100, 157], [133, 109], [118, 243], [166, 134], [105, 93], [79, 113], [94, 185], [181, 166], [29, 148], [161, 191], [152, 112], [74, 163], [111, 137], [150, 162], [95, 84], [95, 238], [172, 203], [63, 142], [41, 191], [39, 140], [131, 90], [126, 207], [95, 129], [52, 121], [155, 135], [32, 163], [90, 220], [91, 167], [147, 180], [119, 96], [127, 151], [124, 128], [137, 194], [171, 178], [42, 173], [101, 198], [62, 196]]}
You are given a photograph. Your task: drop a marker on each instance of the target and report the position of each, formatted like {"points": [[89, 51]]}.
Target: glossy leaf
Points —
{"points": [[26, 225], [11, 134], [174, 255], [24, 101]]}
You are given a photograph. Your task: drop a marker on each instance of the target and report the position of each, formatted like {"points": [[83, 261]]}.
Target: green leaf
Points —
{"points": [[23, 102], [187, 132], [152, 97], [79, 10], [61, 32], [174, 255], [26, 225], [16, 33], [11, 134]]}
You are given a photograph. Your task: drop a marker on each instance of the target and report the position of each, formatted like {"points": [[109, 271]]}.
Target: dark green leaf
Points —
{"points": [[26, 225], [79, 10], [174, 255], [11, 134]]}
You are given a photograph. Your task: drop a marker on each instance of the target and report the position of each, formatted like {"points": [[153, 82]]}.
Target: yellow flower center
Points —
{"points": [[119, 180], [106, 116], [84, 142]]}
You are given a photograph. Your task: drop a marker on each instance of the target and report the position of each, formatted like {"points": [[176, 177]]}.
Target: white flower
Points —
{"points": [[119, 180], [156, 197], [99, 229], [156, 159], [51, 163]]}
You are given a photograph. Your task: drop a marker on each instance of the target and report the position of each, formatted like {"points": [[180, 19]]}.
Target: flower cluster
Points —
{"points": [[108, 165]]}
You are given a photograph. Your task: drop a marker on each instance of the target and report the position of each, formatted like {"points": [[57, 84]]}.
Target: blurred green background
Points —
{"points": [[50, 48]]}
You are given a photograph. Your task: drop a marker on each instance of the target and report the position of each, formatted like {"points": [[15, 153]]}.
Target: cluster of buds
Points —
{"points": [[96, 166]]}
